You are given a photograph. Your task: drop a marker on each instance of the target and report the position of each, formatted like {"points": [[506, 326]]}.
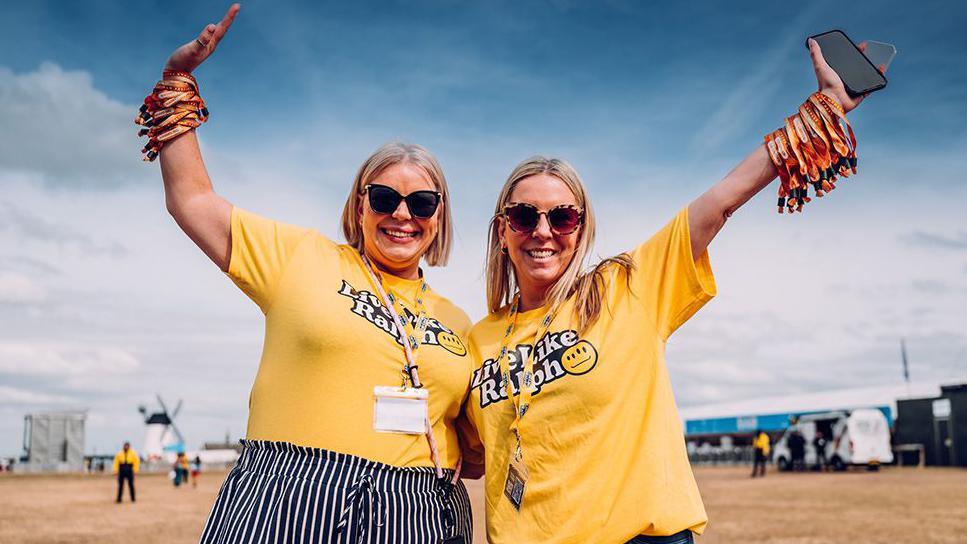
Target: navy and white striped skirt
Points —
{"points": [[280, 492]]}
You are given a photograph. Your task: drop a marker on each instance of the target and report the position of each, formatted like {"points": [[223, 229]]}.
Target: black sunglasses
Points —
{"points": [[563, 219], [385, 200]]}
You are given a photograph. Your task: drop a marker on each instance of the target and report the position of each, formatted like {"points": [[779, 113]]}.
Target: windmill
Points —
{"points": [[162, 438]]}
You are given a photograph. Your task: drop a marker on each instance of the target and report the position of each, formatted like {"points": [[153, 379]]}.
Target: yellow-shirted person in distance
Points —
{"points": [[126, 464]]}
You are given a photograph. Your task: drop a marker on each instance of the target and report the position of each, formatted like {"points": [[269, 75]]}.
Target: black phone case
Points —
{"points": [[849, 90]]}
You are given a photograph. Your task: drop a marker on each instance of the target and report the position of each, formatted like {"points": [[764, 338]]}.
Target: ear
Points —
{"points": [[502, 231]]}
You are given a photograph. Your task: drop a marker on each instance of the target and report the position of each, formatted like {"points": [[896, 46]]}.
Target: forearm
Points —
{"points": [[183, 172], [203, 215], [707, 213]]}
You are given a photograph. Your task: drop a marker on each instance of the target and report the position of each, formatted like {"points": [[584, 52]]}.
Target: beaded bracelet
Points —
{"points": [[173, 108]]}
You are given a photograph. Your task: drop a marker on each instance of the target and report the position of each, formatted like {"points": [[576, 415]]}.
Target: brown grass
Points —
{"points": [[893, 505]]}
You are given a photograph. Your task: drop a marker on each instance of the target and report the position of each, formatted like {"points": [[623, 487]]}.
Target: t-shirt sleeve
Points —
{"points": [[261, 248], [471, 447], [671, 283], [471, 444]]}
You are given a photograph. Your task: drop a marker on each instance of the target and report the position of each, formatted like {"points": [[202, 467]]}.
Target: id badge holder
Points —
{"points": [[516, 481], [400, 409]]}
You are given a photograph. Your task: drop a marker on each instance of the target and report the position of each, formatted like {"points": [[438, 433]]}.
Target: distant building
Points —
{"points": [[54, 441], [937, 424]]}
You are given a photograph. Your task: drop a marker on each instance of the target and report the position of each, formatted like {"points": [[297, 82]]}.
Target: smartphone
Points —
{"points": [[859, 75]]}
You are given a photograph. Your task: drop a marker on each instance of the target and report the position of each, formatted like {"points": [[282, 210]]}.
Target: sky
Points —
{"points": [[104, 302]]}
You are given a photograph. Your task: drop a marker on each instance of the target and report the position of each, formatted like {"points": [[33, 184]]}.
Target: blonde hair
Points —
{"points": [[586, 286], [387, 155]]}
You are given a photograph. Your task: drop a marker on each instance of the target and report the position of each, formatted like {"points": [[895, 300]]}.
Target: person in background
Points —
{"points": [[181, 469], [797, 450], [126, 464], [820, 444], [760, 445], [195, 471]]}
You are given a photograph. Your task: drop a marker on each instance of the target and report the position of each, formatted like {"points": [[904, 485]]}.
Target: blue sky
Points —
{"points": [[103, 301]]}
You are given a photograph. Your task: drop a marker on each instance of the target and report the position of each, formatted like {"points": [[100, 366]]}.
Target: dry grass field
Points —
{"points": [[891, 506]]}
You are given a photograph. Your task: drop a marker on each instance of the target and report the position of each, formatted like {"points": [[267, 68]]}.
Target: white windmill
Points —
{"points": [[162, 439]]}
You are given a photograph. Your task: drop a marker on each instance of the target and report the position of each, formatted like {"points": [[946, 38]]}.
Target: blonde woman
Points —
{"points": [[571, 398], [321, 463]]}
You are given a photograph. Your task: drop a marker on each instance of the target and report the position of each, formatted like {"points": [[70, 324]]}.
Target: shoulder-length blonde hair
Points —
{"points": [[586, 286], [387, 155]]}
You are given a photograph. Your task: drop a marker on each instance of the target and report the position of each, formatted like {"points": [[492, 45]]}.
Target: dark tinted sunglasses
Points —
{"points": [[385, 200], [563, 219]]}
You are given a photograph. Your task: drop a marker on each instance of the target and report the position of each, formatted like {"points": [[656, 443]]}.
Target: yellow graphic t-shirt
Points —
{"points": [[602, 440], [329, 341]]}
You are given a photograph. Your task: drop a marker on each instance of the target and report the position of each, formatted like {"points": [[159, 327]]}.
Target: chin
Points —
{"points": [[545, 276]]}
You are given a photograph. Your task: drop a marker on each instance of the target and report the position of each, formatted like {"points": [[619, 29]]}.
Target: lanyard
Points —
{"points": [[523, 399], [409, 337]]}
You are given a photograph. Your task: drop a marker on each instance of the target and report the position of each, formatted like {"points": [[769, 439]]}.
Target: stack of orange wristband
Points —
{"points": [[172, 109], [812, 148]]}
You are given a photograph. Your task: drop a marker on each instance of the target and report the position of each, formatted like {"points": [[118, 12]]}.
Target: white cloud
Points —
{"points": [[26, 359], [15, 396], [19, 289], [57, 125]]}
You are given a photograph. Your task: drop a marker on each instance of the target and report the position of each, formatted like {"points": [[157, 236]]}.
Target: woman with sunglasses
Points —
{"points": [[351, 433], [571, 399]]}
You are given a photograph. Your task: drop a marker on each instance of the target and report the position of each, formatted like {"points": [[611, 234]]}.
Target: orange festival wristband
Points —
{"points": [[814, 147]]}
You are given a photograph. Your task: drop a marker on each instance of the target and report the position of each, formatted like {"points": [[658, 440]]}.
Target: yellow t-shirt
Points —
{"points": [[762, 443], [602, 440], [329, 341]]}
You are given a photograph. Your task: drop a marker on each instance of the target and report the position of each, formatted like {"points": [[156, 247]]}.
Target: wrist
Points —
{"points": [[835, 97]]}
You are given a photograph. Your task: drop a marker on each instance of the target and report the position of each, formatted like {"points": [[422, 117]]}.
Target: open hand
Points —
{"points": [[830, 82], [187, 57]]}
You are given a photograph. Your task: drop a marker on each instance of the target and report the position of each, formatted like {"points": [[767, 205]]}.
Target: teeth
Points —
{"points": [[540, 253], [399, 233]]}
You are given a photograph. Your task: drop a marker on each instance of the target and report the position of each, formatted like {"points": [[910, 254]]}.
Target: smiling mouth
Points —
{"points": [[540, 254], [400, 235]]}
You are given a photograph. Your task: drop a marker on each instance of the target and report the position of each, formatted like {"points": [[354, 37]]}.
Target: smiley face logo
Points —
{"points": [[579, 358], [451, 343]]}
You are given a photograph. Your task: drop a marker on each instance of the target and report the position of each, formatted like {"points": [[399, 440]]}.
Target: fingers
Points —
{"points": [[230, 15], [205, 38], [862, 46], [816, 54], [882, 68], [226, 21]]}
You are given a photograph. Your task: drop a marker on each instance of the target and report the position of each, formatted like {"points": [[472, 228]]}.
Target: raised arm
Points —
{"points": [[189, 196], [707, 213]]}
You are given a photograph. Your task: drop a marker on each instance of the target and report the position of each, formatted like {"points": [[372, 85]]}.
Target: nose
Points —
{"points": [[543, 229], [402, 212]]}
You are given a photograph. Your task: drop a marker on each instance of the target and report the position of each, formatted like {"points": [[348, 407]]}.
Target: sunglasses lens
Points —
{"points": [[522, 218], [383, 199], [422, 204], [563, 220]]}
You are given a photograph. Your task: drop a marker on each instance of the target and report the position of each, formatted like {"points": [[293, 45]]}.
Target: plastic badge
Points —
{"points": [[516, 481], [400, 410]]}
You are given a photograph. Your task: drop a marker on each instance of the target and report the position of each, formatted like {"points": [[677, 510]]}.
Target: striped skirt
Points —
{"points": [[280, 492]]}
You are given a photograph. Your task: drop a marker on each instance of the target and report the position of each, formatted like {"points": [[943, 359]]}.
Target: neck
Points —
{"points": [[532, 298], [408, 272]]}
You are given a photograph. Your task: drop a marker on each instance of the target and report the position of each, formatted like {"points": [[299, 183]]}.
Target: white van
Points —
{"points": [[857, 437]]}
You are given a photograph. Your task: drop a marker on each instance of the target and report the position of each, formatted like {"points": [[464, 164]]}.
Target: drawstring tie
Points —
{"points": [[361, 495]]}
